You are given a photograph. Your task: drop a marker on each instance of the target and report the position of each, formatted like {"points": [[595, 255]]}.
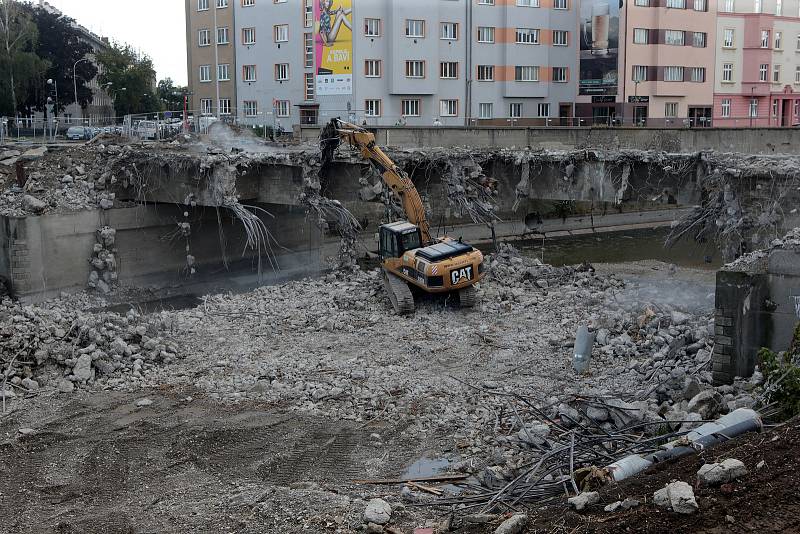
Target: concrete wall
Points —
{"points": [[746, 140]]}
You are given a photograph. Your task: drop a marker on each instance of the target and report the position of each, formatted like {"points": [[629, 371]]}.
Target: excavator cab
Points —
{"points": [[398, 237]]}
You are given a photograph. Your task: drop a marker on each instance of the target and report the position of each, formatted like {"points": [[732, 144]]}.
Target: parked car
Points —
{"points": [[77, 133]]}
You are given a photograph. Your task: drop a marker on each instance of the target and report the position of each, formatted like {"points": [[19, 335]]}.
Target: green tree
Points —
{"points": [[20, 67], [171, 95], [132, 77]]}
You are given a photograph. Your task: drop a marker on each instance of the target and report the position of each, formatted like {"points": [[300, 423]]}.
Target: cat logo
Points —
{"points": [[460, 275]]}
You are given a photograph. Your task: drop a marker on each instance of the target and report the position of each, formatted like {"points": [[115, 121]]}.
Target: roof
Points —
{"points": [[442, 251], [400, 226]]}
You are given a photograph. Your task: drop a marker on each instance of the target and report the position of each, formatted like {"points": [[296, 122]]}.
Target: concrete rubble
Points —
{"points": [[677, 496], [720, 473]]}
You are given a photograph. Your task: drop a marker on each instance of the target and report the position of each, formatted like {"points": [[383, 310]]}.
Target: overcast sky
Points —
{"points": [[156, 27]]}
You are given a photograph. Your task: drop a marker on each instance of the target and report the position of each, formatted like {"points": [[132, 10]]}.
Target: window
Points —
{"points": [[250, 108], [560, 38], [756, 6], [281, 33], [415, 69], [515, 110], [526, 73], [543, 110], [223, 72], [448, 31], [670, 110], [559, 74], [528, 3], [222, 36], [249, 36], [308, 39], [248, 3], [309, 86], [797, 74], [699, 39], [673, 74], [205, 73], [202, 5], [677, 4], [372, 108], [728, 37], [282, 108], [701, 5], [776, 73], [641, 35], [448, 108], [486, 2], [415, 28], [727, 6], [220, 5], [203, 38], [281, 72], [698, 74], [224, 106], [727, 72], [778, 40], [764, 38], [674, 37], [485, 73], [308, 13], [372, 68], [485, 110], [372, 27], [68, 118], [531, 36], [249, 73], [409, 107], [725, 107], [560, 4], [642, 3], [639, 73], [485, 34], [753, 107], [763, 69], [448, 69], [797, 45], [206, 106], [778, 7]]}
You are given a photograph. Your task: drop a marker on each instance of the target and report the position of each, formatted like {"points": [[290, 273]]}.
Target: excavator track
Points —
{"points": [[467, 297], [399, 293]]}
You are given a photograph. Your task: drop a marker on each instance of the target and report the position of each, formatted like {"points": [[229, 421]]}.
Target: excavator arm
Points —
{"points": [[394, 177]]}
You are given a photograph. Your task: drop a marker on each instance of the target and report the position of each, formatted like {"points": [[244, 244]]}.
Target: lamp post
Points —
{"points": [[54, 83], [75, 83]]}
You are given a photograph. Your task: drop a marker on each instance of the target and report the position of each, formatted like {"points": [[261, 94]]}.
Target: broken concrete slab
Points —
{"points": [[378, 511], [721, 473], [677, 496], [513, 525], [582, 500]]}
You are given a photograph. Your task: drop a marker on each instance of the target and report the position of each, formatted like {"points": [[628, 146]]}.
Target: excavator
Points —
{"points": [[410, 256]]}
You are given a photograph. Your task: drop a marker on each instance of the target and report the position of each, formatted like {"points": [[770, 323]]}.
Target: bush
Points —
{"points": [[782, 376]]}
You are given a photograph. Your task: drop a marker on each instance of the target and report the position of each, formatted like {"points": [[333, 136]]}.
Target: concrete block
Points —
{"points": [[723, 340]]}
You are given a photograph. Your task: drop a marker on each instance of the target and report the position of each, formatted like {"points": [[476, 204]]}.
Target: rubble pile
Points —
{"points": [[754, 261]]}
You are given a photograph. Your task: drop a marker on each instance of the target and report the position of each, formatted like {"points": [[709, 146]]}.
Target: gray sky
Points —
{"points": [[156, 27]]}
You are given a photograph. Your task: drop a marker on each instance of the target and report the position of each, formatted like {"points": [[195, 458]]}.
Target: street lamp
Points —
{"points": [[54, 83], [75, 82]]}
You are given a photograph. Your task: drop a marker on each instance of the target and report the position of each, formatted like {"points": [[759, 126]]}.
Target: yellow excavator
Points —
{"points": [[409, 255]]}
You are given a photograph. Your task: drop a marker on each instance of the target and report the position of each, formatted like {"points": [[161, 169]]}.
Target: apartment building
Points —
{"points": [[211, 56], [758, 63], [416, 62]]}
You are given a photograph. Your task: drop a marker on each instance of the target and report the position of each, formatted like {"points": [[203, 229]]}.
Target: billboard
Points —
{"points": [[333, 46], [599, 34]]}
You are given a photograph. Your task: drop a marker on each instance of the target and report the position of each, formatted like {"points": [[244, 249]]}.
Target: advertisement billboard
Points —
{"points": [[599, 34], [333, 46]]}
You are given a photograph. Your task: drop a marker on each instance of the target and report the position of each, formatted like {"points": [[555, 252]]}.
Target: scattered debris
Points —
{"points": [[720, 473], [678, 496], [378, 511], [582, 500], [513, 525]]}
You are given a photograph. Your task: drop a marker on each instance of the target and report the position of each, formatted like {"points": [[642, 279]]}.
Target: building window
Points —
{"points": [[282, 108], [221, 4], [641, 35], [639, 73], [202, 5], [559, 74], [698, 74], [224, 106], [223, 36], [415, 69], [796, 107], [727, 6], [641, 3], [486, 2], [250, 108], [753, 107], [372, 68], [485, 34], [448, 31], [764, 38], [249, 73], [281, 33], [670, 110], [223, 72], [776, 73], [674, 37], [409, 107], [701, 5], [797, 74], [205, 73], [372, 27], [560, 37], [543, 110], [308, 39], [560, 4], [206, 106], [515, 110], [673, 74], [677, 4], [281, 72], [203, 38], [756, 6], [531, 36], [728, 37], [725, 107], [699, 39], [448, 108], [372, 108], [485, 73], [526, 73], [415, 28], [249, 36], [763, 69], [797, 45], [309, 86], [528, 3], [485, 110], [308, 13], [448, 69], [727, 72], [775, 108], [778, 7], [778, 40], [248, 3]]}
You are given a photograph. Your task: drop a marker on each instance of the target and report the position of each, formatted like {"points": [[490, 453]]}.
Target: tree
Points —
{"points": [[132, 77], [171, 96], [19, 65]]}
